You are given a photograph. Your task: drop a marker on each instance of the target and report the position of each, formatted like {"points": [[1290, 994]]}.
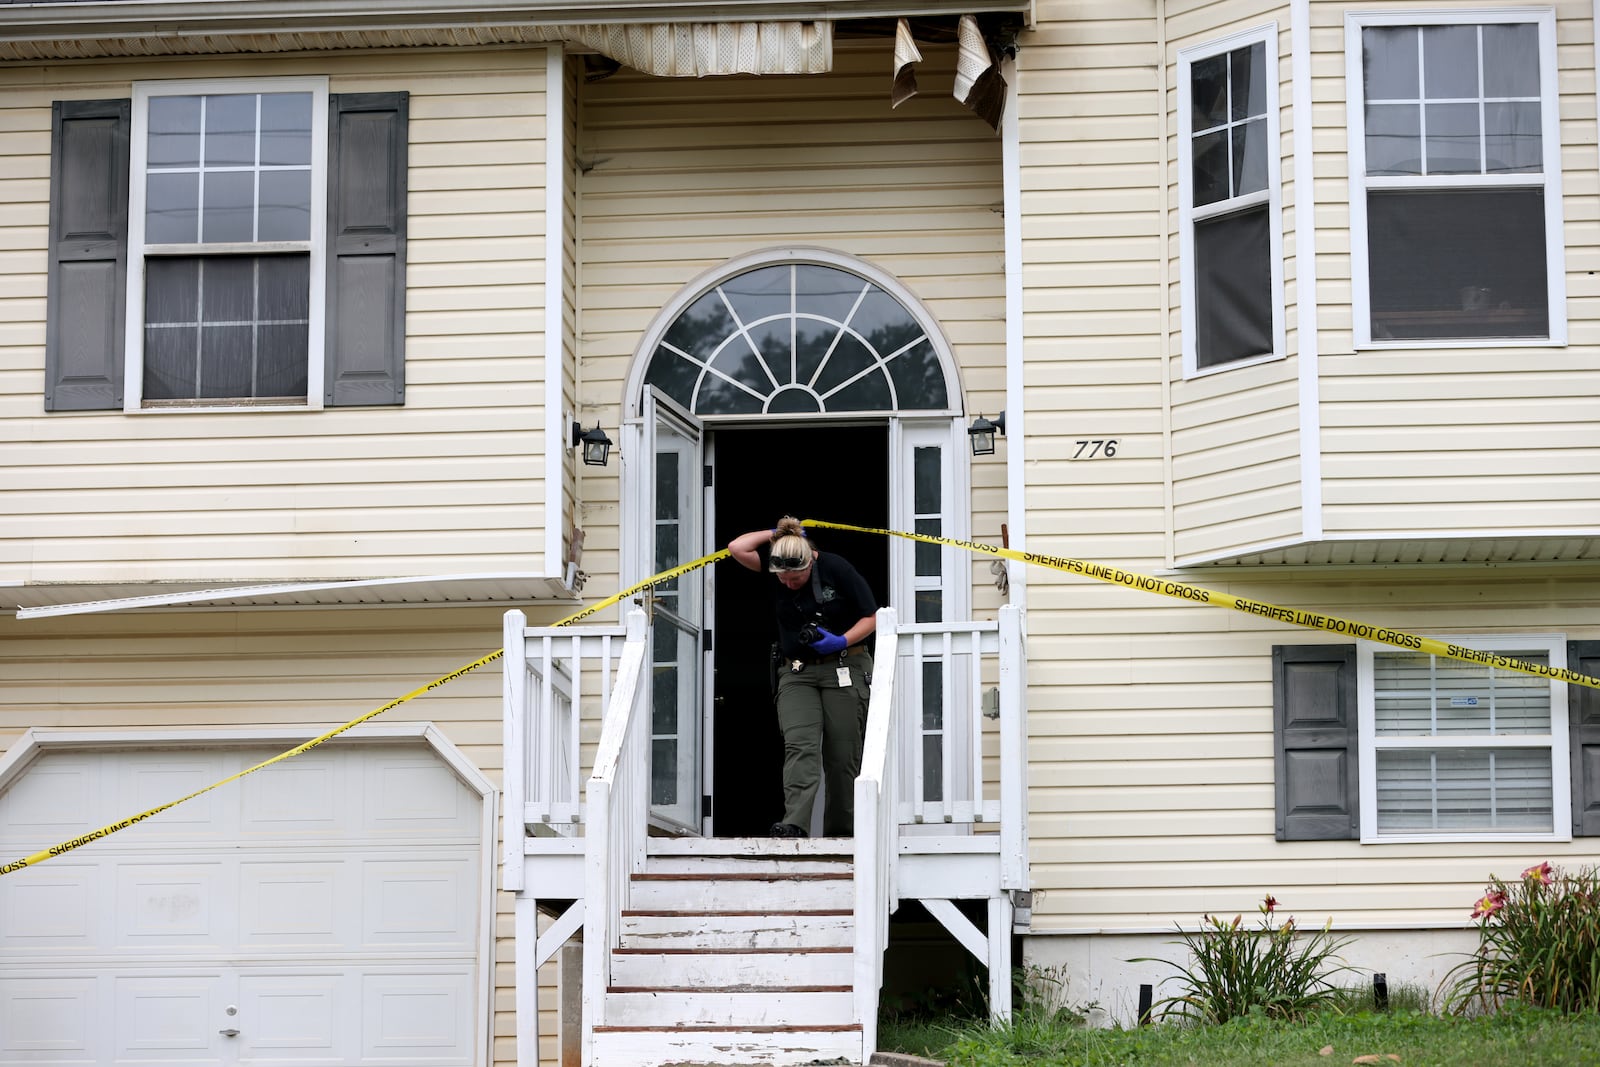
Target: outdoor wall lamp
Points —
{"points": [[596, 445], [981, 434]]}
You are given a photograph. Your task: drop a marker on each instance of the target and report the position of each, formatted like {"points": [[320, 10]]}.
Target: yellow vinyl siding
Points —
{"points": [[1151, 793], [1458, 442], [448, 483], [1235, 432], [682, 175], [1151, 774]]}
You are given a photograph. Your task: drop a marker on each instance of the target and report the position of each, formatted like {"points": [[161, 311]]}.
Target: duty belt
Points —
{"points": [[809, 660]]}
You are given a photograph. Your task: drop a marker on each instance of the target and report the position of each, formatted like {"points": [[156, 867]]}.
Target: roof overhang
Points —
{"points": [[32, 601], [82, 30], [1492, 549]]}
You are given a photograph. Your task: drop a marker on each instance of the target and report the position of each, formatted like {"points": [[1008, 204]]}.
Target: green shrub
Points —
{"points": [[1274, 970], [1538, 943]]}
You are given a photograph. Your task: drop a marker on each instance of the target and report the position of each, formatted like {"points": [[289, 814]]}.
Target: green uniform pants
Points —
{"points": [[823, 724]]}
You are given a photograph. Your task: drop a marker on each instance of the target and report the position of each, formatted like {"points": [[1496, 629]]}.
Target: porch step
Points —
{"points": [[661, 930], [735, 954], [778, 1046], [747, 891], [731, 968]]}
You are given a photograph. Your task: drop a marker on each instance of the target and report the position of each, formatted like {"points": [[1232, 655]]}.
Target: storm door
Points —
{"points": [[676, 535]]}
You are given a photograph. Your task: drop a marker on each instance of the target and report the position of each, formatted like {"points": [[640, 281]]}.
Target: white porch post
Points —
{"points": [[526, 912]]}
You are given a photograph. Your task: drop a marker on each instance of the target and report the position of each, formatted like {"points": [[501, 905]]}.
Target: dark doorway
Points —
{"points": [[834, 473]]}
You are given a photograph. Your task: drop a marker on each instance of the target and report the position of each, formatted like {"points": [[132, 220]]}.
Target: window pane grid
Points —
{"points": [[228, 169], [1416, 694], [226, 327], [1442, 117], [1229, 140], [798, 338], [1464, 790]]}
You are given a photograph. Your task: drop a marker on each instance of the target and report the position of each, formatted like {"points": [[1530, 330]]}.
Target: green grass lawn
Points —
{"points": [[1519, 1038]]}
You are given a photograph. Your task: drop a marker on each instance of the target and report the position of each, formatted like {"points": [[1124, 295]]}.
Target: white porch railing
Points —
{"points": [[945, 672], [618, 822], [553, 674], [877, 833]]}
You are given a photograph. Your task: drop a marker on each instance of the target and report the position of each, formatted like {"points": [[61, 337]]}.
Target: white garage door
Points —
{"points": [[324, 910]]}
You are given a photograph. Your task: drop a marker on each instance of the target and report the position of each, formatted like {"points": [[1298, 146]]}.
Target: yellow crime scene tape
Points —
{"points": [[1195, 594], [123, 824], [1115, 575]]}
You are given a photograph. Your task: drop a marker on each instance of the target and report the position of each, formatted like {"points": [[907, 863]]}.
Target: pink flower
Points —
{"points": [[1541, 875], [1270, 903], [1489, 904]]}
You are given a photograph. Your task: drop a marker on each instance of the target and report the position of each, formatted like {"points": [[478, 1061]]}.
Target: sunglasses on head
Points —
{"points": [[789, 563]]}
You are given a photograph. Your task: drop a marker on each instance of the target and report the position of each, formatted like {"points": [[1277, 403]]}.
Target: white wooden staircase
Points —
{"points": [[699, 951], [741, 954]]}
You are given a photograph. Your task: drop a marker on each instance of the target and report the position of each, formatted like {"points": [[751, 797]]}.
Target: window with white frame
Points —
{"points": [[1455, 178], [1453, 749], [226, 210], [1229, 184]]}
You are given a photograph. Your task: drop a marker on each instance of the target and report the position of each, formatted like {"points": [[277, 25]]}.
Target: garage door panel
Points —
{"points": [[304, 797], [179, 904], [150, 783], [419, 902], [417, 1018], [56, 798], [51, 908], [297, 1019], [47, 1020], [168, 1019], [287, 902], [405, 794]]}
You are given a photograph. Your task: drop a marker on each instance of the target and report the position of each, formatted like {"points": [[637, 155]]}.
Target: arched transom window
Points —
{"points": [[798, 338]]}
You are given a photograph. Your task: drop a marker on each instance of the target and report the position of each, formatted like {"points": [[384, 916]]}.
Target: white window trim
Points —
{"points": [[1550, 131], [1560, 766], [133, 369], [1273, 195]]}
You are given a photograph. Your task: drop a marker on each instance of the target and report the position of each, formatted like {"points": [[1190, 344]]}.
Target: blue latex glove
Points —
{"points": [[827, 643]]}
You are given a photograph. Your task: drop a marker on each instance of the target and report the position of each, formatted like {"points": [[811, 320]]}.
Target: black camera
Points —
{"points": [[808, 632]]}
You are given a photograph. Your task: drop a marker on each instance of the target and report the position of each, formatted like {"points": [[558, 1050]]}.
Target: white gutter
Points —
{"points": [[1305, 270], [253, 16], [285, 589], [558, 445], [1016, 421]]}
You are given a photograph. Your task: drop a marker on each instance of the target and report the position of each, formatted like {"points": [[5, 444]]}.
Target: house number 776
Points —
{"points": [[1104, 448]]}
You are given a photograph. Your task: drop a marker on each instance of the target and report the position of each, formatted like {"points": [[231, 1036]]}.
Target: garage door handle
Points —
{"points": [[231, 1031]]}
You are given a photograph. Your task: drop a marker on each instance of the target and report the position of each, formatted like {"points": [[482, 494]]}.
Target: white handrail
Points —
{"points": [[877, 834], [617, 797]]}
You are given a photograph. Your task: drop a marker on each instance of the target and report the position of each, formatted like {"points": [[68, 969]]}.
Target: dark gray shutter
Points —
{"points": [[1315, 742], [365, 355], [1583, 717], [87, 288]]}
